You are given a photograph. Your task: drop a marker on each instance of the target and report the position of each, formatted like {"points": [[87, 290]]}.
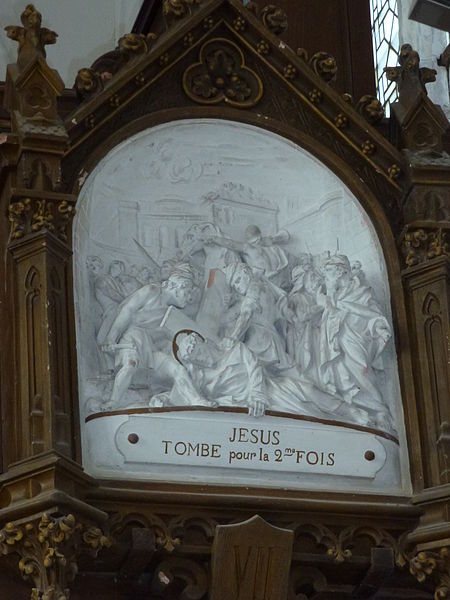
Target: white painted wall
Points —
{"points": [[86, 29]]}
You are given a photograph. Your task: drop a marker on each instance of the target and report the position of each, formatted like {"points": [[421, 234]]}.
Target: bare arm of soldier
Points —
{"points": [[227, 243], [134, 303]]}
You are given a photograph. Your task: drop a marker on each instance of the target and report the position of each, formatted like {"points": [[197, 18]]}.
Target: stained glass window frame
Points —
{"points": [[385, 38]]}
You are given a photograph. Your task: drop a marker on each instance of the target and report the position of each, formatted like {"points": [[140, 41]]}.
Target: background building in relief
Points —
{"points": [[246, 240]]}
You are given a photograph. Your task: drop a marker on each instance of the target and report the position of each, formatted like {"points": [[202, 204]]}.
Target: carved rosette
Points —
{"points": [[425, 242], [221, 76], [30, 215], [49, 549]]}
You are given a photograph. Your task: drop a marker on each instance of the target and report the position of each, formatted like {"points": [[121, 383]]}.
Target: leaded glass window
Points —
{"points": [[385, 46]]}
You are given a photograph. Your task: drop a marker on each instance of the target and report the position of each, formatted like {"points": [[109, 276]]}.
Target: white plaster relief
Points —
{"points": [[240, 236]]}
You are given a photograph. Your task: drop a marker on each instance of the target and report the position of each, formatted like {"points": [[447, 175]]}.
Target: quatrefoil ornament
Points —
{"points": [[221, 76]]}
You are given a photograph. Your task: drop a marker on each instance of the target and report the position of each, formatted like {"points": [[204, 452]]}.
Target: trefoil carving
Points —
{"points": [[221, 76]]}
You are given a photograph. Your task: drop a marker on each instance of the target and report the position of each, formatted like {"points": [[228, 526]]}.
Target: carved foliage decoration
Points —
{"points": [[275, 19], [323, 64], [434, 566], [339, 545], [425, 243], [370, 108], [168, 535], [90, 81], [49, 549], [183, 545], [31, 215], [174, 10], [221, 76]]}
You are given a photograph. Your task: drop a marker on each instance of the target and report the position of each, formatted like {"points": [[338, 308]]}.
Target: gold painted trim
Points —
{"points": [[316, 110]]}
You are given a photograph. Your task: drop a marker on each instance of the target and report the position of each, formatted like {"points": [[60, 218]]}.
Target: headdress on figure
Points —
{"points": [[252, 234], [305, 264], [179, 277], [297, 276], [180, 339], [94, 260], [337, 260]]}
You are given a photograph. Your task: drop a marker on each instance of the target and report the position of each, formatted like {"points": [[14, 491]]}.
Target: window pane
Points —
{"points": [[385, 47]]}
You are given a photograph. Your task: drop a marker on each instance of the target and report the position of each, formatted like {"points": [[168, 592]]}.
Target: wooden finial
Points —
{"points": [[32, 37]]}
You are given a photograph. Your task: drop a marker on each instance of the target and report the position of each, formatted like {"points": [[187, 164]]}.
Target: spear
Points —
{"points": [[153, 264]]}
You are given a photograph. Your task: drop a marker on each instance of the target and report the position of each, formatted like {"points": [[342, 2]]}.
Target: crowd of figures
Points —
{"points": [[255, 327]]}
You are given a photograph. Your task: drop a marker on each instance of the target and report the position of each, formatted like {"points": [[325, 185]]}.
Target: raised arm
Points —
{"points": [[227, 243]]}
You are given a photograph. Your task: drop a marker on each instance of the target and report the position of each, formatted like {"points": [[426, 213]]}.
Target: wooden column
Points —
{"points": [[45, 419], [48, 524], [421, 130], [41, 407]]}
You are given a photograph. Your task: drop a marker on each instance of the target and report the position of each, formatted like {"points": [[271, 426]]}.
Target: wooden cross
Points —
{"points": [[409, 76]]}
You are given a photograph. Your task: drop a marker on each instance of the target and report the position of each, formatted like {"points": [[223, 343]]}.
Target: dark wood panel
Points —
{"points": [[340, 27]]}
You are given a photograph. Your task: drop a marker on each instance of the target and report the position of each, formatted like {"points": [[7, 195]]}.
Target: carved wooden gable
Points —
{"points": [[349, 466], [226, 59]]}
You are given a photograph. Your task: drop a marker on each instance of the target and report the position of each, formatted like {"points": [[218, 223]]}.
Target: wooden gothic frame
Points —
{"points": [[45, 160]]}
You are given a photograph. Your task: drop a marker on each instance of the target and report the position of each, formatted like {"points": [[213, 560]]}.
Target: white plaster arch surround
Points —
{"points": [[141, 207]]}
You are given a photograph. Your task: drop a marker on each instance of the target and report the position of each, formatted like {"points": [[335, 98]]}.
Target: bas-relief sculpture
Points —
{"points": [[214, 289]]}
